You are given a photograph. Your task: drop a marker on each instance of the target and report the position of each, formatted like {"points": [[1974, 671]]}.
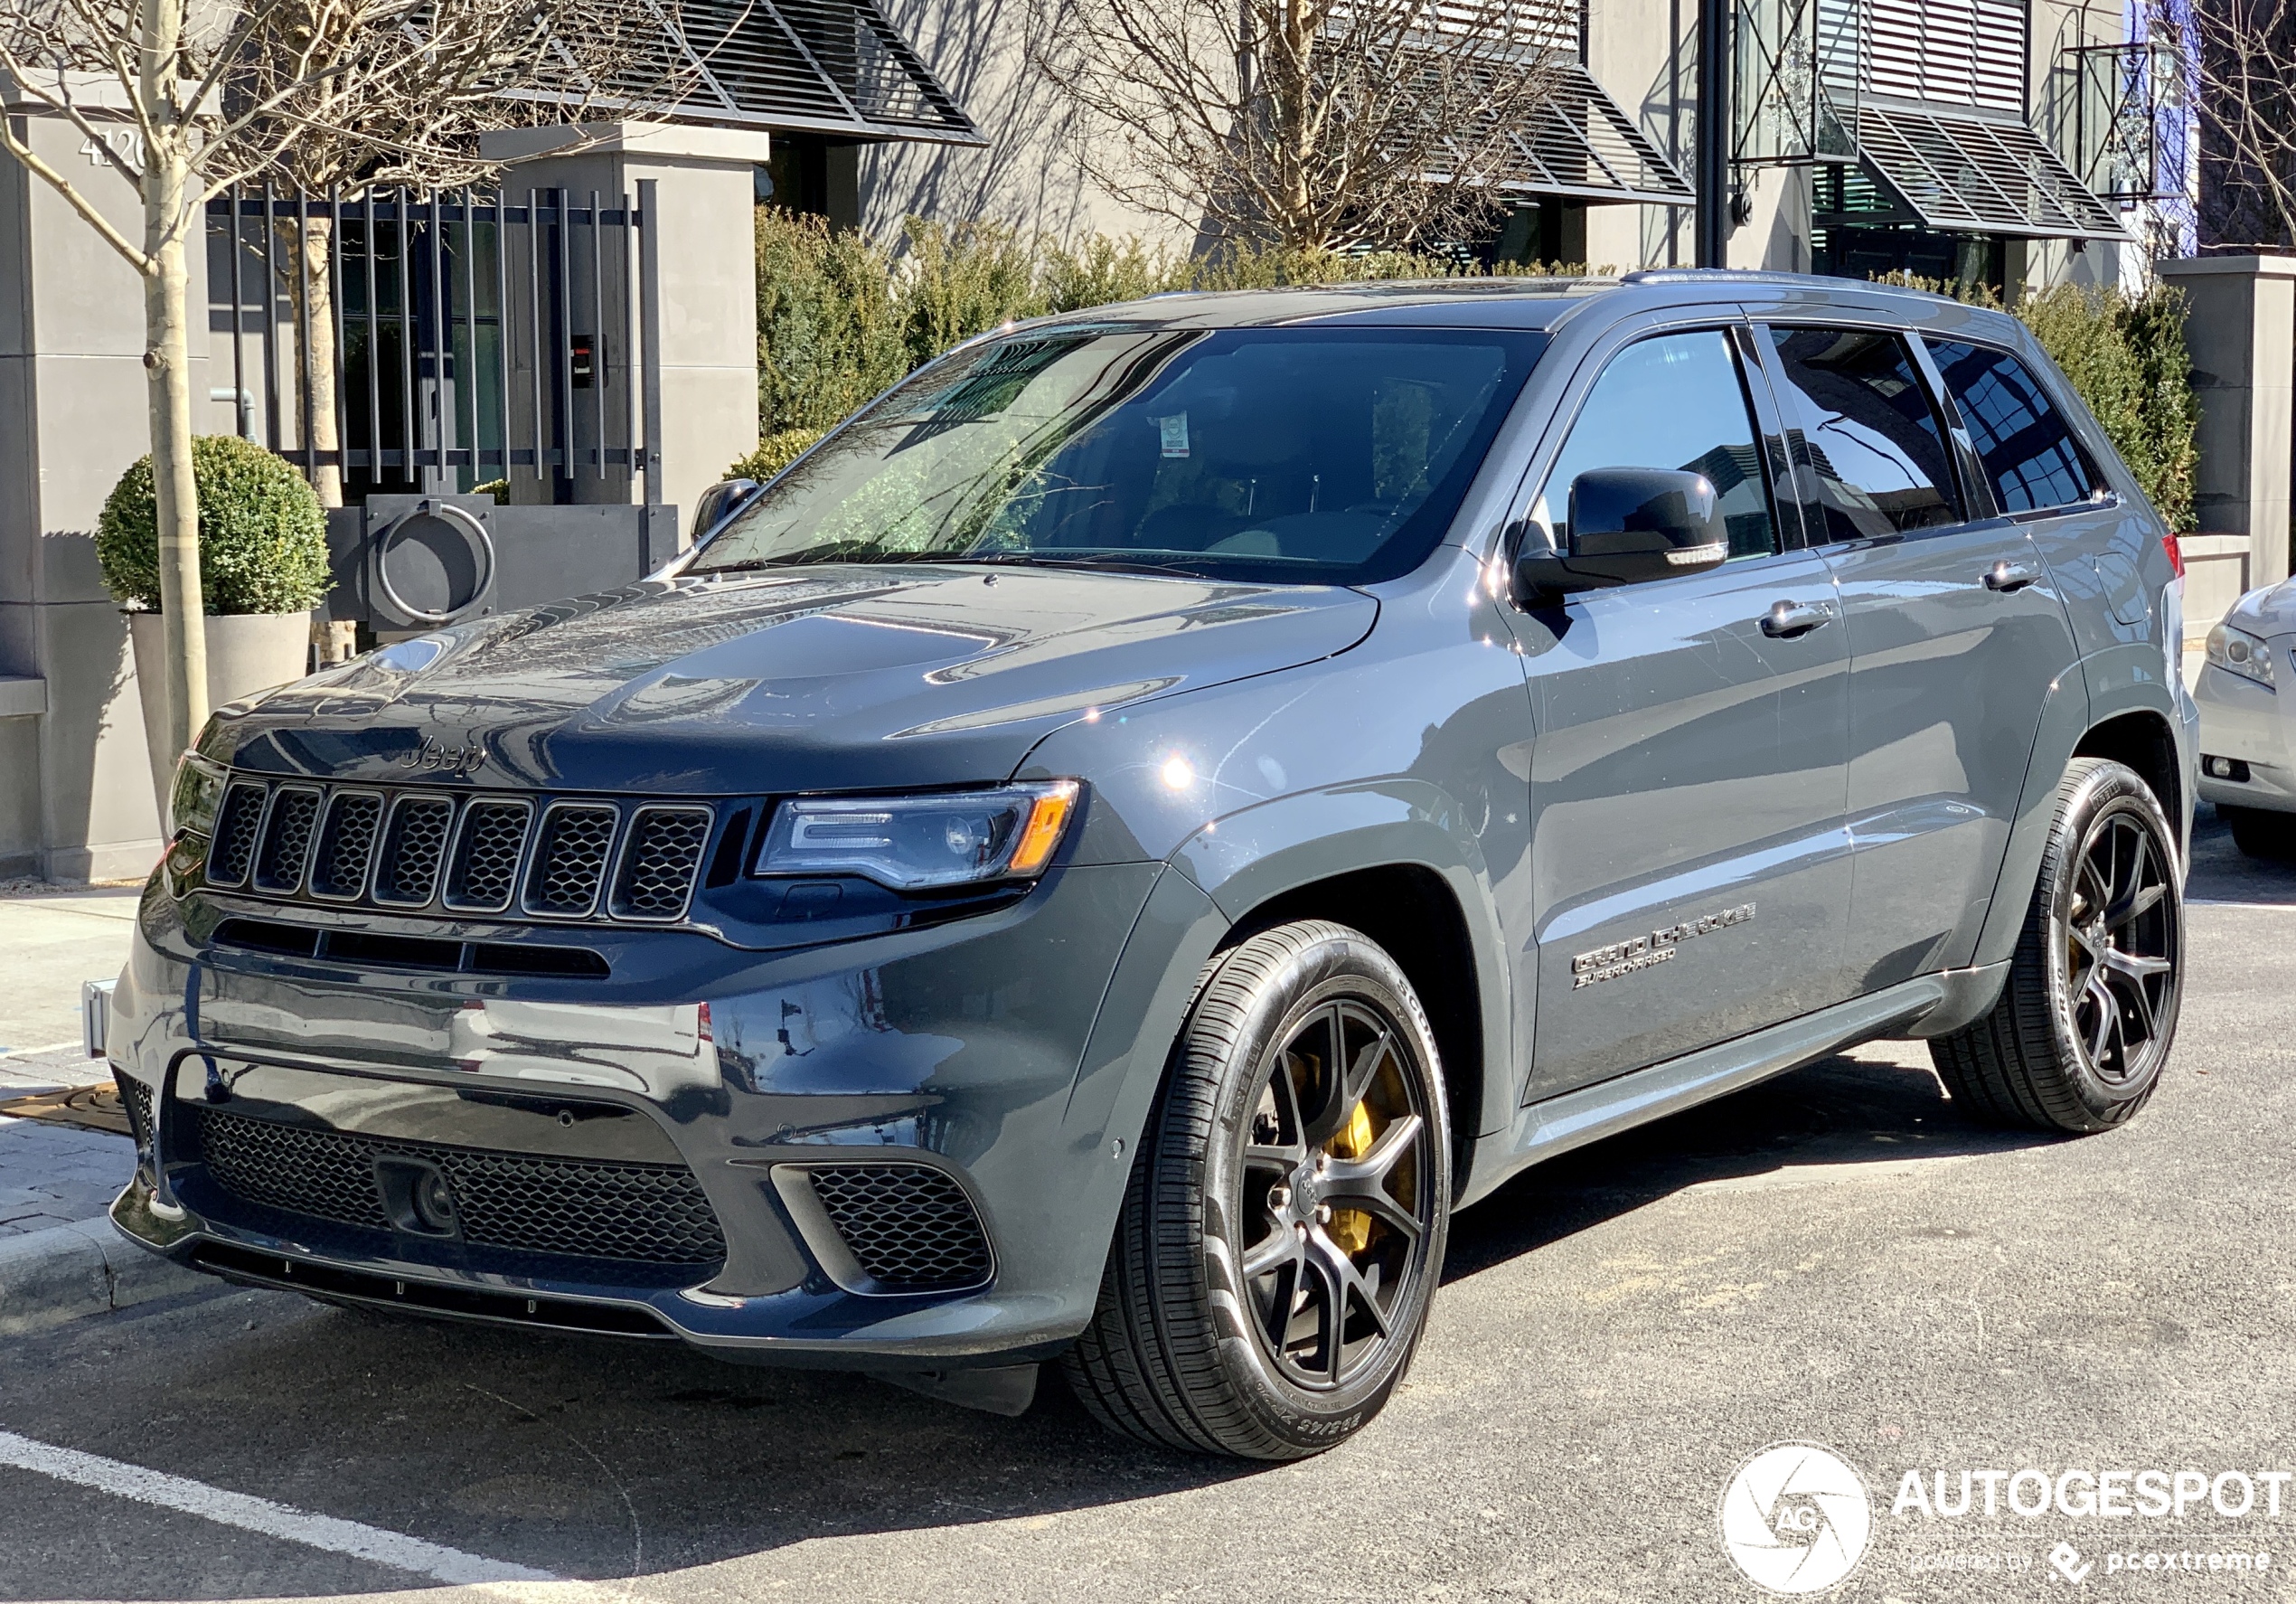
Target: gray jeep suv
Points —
{"points": [[1096, 861]]}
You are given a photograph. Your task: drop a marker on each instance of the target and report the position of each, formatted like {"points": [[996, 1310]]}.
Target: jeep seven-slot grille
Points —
{"points": [[648, 1213], [417, 851]]}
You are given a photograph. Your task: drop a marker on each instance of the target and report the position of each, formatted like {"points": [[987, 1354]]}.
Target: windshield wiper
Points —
{"points": [[1113, 560]]}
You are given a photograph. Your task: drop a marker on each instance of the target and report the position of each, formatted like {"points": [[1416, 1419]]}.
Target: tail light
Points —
{"points": [[2170, 544]]}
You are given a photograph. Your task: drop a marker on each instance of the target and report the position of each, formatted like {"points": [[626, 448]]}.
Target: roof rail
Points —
{"points": [[1764, 276]]}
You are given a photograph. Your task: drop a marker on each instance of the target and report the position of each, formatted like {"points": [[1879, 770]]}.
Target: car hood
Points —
{"points": [[812, 680], [2266, 612]]}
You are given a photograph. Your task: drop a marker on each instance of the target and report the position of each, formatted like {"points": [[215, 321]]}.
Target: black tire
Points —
{"points": [[1194, 1348], [2261, 833], [2077, 1040]]}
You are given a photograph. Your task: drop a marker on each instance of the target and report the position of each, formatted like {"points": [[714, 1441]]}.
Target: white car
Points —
{"points": [[2247, 697]]}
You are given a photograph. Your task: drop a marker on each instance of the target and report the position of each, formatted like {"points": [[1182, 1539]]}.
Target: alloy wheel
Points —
{"points": [[2120, 951], [1335, 1185]]}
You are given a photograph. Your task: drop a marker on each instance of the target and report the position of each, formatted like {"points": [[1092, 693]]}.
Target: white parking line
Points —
{"points": [[394, 1548]]}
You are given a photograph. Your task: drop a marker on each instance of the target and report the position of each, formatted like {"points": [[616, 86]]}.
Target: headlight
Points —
{"points": [[2236, 651], [918, 843], [197, 793]]}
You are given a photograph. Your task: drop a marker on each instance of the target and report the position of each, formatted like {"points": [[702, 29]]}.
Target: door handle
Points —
{"points": [[1789, 619], [2006, 576]]}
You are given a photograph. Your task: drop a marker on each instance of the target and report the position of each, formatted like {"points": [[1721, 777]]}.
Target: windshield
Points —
{"points": [[1324, 455]]}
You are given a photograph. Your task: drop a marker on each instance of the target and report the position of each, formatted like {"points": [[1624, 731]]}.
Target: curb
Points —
{"points": [[85, 1267]]}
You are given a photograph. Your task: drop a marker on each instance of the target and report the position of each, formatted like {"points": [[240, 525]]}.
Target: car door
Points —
{"points": [[1687, 777], [1955, 633]]}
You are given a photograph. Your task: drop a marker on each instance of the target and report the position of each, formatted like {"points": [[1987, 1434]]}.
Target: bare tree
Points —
{"points": [[1310, 123], [2244, 55], [229, 90]]}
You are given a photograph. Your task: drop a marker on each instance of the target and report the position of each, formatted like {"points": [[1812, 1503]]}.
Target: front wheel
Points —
{"points": [[1283, 1226], [2083, 1025]]}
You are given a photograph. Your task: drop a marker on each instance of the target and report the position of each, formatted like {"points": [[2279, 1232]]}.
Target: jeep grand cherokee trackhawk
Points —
{"points": [[1098, 860]]}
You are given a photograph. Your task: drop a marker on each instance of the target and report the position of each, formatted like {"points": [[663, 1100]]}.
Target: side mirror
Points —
{"points": [[721, 501], [1629, 524]]}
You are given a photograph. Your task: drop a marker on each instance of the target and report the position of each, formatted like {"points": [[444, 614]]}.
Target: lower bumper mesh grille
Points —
{"points": [[136, 1098], [645, 1214], [908, 1226]]}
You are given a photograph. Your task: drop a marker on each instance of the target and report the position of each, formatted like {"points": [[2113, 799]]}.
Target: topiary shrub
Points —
{"points": [[263, 538]]}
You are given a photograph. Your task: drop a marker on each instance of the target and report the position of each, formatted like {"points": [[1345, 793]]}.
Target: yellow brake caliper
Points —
{"points": [[1352, 1228]]}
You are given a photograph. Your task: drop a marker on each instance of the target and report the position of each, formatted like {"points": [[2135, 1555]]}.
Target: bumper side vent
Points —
{"points": [[909, 1227], [136, 1097]]}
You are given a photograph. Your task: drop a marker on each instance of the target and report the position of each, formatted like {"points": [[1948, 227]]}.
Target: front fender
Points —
{"points": [[1252, 857]]}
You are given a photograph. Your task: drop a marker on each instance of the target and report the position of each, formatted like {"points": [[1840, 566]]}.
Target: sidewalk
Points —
{"points": [[60, 1258], [50, 1173]]}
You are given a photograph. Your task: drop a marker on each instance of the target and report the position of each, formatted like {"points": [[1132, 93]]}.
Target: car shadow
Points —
{"points": [[2222, 873], [1882, 1105]]}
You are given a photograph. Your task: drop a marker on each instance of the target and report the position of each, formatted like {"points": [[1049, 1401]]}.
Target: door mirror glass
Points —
{"points": [[1629, 524]]}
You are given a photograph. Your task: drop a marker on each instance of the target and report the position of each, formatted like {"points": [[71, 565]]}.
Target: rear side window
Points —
{"points": [[2028, 448], [1858, 417], [1673, 401]]}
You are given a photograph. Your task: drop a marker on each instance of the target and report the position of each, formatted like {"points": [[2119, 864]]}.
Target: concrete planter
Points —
{"points": [[245, 654]]}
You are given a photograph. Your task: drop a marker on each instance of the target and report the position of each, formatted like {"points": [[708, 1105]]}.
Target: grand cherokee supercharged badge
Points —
{"points": [[1624, 957]]}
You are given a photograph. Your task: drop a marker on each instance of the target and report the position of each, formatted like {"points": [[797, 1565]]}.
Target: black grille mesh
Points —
{"points": [[659, 864], [287, 840], [494, 834], [411, 855], [136, 1097], [648, 1213], [340, 869], [570, 861], [236, 822], [908, 1226]]}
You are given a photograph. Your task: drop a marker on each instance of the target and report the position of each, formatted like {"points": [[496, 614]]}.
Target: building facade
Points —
{"points": [[1951, 138]]}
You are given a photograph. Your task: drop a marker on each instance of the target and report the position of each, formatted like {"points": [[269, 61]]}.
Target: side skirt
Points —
{"points": [[1926, 1005]]}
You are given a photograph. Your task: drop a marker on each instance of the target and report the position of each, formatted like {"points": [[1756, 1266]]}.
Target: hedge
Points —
{"points": [[841, 318]]}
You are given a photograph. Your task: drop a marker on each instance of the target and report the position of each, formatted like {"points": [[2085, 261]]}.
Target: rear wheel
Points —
{"points": [[2083, 1025], [2261, 833], [1284, 1222]]}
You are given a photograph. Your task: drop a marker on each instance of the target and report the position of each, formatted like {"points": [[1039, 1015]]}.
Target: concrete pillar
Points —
{"points": [[707, 290], [2241, 328], [75, 786]]}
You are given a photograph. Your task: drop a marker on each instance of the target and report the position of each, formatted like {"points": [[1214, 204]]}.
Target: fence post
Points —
{"points": [[650, 337], [2240, 327]]}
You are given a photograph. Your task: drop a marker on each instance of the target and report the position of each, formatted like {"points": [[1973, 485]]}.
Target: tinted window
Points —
{"points": [[1860, 419], [2029, 451], [1676, 401], [1317, 454]]}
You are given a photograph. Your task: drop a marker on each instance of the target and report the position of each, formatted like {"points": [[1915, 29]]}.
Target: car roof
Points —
{"points": [[1521, 302]]}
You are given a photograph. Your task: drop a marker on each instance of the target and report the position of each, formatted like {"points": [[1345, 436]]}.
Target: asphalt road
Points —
{"points": [[1831, 1257]]}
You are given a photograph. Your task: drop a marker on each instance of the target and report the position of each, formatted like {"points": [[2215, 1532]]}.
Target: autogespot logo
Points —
{"points": [[1795, 1519]]}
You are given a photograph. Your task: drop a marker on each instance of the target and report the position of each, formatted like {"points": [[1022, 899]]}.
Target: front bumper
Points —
{"points": [[2246, 721], [995, 1058]]}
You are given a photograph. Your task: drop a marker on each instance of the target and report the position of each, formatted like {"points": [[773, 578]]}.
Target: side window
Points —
{"points": [[1673, 401], [2028, 448], [1867, 430]]}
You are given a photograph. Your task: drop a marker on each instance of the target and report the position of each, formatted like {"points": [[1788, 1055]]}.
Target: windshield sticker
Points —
{"points": [[1175, 433]]}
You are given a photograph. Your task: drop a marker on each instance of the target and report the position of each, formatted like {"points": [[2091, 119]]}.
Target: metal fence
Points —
{"points": [[440, 342]]}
